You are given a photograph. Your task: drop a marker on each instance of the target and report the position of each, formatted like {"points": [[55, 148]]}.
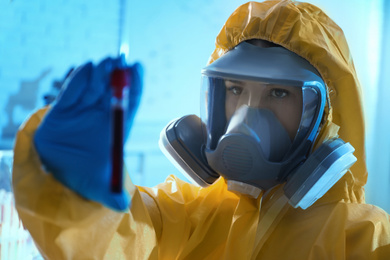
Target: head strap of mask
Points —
{"points": [[200, 156]]}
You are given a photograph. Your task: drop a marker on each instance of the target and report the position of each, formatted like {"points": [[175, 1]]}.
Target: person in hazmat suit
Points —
{"points": [[277, 155]]}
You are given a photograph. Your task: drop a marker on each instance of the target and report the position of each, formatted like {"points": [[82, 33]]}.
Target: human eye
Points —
{"points": [[279, 93], [235, 90], [234, 87]]}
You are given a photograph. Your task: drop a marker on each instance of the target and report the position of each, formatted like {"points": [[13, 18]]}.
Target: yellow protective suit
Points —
{"points": [[177, 220]]}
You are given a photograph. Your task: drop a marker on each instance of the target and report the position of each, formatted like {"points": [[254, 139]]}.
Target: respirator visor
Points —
{"points": [[261, 108], [276, 116]]}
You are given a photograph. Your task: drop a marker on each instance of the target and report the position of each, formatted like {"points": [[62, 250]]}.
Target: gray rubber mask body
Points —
{"points": [[253, 143]]}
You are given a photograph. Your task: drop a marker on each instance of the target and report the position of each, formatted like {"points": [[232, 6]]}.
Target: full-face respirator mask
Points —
{"points": [[260, 114]]}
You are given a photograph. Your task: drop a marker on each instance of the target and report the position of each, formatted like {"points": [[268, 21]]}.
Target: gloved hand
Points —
{"points": [[73, 141]]}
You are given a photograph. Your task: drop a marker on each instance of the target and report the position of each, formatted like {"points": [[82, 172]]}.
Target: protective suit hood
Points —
{"points": [[309, 32]]}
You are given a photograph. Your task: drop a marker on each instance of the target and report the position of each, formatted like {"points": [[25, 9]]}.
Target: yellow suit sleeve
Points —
{"points": [[66, 226]]}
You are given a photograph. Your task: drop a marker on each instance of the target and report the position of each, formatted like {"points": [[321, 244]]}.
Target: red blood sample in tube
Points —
{"points": [[119, 83]]}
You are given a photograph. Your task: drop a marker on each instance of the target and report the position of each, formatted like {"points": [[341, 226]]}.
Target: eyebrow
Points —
{"points": [[234, 81]]}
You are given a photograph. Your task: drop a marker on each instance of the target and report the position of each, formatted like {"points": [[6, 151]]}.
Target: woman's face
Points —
{"points": [[284, 101]]}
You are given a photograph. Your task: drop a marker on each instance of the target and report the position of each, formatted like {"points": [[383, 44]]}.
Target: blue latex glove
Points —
{"points": [[73, 140]]}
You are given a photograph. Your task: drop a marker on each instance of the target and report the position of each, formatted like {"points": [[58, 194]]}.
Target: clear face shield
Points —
{"points": [[253, 129], [261, 108], [278, 117]]}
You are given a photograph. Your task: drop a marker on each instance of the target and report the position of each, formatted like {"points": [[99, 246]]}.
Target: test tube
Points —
{"points": [[119, 85]]}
